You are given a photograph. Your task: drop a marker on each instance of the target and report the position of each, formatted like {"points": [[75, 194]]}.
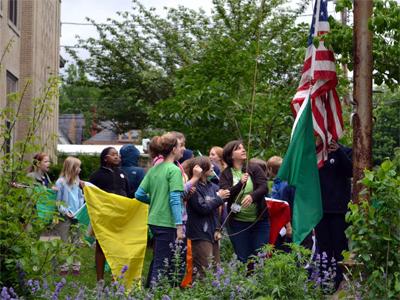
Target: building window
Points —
{"points": [[13, 11], [12, 87]]}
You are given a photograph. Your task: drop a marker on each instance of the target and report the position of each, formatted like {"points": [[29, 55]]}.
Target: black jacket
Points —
{"points": [[202, 212], [259, 188], [111, 180], [335, 179]]}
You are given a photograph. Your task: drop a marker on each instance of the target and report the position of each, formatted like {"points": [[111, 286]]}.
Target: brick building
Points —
{"points": [[30, 31]]}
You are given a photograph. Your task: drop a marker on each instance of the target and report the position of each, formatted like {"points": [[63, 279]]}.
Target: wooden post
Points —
{"points": [[362, 95]]}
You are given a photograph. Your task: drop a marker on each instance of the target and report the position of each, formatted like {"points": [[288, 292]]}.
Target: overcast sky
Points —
{"points": [[75, 11]]}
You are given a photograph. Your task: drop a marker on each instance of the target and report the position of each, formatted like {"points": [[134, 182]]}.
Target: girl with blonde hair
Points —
{"points": [[70, 200]]}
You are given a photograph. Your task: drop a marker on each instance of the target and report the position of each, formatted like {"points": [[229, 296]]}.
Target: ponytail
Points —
{"points": [[162, 145]]}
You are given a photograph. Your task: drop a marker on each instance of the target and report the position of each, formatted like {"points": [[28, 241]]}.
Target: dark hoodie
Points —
{"points": [[129, 164]]}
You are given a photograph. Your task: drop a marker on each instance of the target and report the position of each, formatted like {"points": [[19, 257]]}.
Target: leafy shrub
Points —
{"points": [[280, 276], [90, 163], [374, 232], [22, 254]]}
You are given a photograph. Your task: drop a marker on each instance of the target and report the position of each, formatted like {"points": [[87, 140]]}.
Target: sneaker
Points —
{"points": [[76, 272], [64, 268]]}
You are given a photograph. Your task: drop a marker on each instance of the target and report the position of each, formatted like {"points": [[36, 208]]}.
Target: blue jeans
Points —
{"points": [[164, 243], [249, 241]]}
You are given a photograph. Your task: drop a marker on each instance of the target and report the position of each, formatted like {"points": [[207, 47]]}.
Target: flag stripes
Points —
{"points": [[319, 75]]}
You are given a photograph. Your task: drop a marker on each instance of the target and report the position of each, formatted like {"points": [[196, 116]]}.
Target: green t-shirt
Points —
{"points": [[248, 214], [159, 181]]}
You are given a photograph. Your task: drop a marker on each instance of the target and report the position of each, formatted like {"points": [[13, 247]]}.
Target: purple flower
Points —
{"points": [[45, 285], [4, 294], [227, 281], [215, 283], [165, 297], [220, 272], [81, 294], [120, 290], [59, 286], [124, 269]]}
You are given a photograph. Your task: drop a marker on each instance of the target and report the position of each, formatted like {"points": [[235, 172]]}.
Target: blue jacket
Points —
{"points": [[202, 212], [335, 179], [129, 164], [278, 188]]}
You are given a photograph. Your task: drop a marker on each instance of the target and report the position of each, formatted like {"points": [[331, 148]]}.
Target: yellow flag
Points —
{"points": [[120, 226]]}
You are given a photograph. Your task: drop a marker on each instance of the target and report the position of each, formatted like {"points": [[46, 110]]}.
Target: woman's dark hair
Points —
{"points": [[103, 155], [162, 145], [228, 150], [203, 161]]}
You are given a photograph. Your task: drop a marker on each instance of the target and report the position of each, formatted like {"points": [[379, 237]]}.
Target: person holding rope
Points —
{"points": [[248, 224]]}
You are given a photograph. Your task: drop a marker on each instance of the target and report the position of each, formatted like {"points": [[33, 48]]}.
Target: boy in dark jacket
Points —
{"points": [[203, 221], [335, 179], [129, 164]]}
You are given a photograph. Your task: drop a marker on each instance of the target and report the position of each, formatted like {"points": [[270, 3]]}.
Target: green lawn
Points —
{"points": [[87, 276]]}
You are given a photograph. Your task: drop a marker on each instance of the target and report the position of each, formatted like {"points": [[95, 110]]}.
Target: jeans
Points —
{"points": [[249, 240], [164, 244]]}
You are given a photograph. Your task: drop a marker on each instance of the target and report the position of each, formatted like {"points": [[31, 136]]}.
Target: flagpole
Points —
{"points": [[316, 25]]}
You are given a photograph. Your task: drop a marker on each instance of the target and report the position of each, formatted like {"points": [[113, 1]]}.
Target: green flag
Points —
{"points": [[299, 169]]}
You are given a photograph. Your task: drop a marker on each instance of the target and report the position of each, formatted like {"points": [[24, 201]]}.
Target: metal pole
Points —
{"points": [[362, 95], [347, 97]]}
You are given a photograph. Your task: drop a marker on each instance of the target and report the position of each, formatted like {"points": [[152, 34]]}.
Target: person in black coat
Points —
{"points": [[111, 179], [335, 180], [248, 224]]}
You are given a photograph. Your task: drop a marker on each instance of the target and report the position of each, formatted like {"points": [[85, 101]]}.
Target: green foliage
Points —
{"points": [[201, 72], [90, 163], [248, 47], [374, 232], [22, 254], [385, 25], [134, 60], [386, 130], [79, 95], [281, 276]]}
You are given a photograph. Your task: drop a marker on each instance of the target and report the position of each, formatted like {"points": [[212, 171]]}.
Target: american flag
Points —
{"points": [[319, 75]]}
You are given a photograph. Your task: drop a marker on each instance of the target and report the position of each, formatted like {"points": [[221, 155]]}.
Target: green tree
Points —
{"points": [[385, 25], [134, 60], [213, 95], [79, 95], [199, 71], [386, 131]]}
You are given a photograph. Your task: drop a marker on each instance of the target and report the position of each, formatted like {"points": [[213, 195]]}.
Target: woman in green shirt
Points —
{"points": [[248, 224], [161, 188]]}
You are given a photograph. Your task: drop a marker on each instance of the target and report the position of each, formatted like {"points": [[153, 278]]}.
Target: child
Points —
{"points": [[203, 221], [70, 197], [280, 190], [40, 167], [110, 178]]}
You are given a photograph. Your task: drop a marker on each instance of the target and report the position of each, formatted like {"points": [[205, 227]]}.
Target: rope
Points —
{"points": [[253, 93], [253, 96]]}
